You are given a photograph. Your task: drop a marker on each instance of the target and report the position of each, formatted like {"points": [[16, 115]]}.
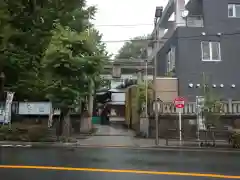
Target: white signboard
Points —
{"points": [[34, 108], [118, 97]]}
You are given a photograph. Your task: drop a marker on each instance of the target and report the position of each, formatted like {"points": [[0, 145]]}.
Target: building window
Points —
{"points": [[171, 62], [234, 10], [211, 51]]}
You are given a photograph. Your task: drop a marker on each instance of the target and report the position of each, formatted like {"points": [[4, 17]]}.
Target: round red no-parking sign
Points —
{"points": [[179, 102]]}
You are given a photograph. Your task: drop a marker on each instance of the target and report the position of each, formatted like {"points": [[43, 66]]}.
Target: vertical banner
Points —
{"points": [[8, 108]]}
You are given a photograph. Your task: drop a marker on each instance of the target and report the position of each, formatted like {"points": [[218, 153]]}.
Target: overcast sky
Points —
{"points": [[124, 12]]}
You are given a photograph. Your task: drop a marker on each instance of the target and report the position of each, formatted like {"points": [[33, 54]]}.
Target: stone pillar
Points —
{"points": [[140, 76], [179, 8], [116, 71], [230, 110]]}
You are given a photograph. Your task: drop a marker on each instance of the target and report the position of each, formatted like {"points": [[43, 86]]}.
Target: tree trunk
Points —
{"points": [[90, 103], [59, 123], [66, 124]]}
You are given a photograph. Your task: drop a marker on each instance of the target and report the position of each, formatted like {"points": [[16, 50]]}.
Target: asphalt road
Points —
{"points": [[115, 163]]}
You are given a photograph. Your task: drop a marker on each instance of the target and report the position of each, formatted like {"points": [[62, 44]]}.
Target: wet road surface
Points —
{"points": [[97, 163]]}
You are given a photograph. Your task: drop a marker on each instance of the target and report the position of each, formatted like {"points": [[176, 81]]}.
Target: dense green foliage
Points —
{"points": [[142, 95], [49, 49], [212, 108], [133, 49], [136, 48], [235, 140], [24, 133]]}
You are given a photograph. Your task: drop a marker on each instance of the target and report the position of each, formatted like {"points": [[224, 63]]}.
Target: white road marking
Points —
{"points": [[7, 145], [17, 145]]}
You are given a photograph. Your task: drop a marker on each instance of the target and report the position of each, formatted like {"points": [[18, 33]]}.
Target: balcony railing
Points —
{"points": [[194, 21]]}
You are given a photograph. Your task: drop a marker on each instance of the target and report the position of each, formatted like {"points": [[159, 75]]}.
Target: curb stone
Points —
{"points": [[164, 148], [191, 148], [77, 145], [35, 144], [154, 147]]}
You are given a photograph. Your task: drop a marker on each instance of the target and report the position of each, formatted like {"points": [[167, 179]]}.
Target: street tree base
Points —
{"points": [[86, 123]]}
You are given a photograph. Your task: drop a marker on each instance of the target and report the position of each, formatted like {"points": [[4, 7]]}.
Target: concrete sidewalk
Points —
{"points": [[112, 130], [117, 140], [116, 135], [131, 142], [128, 141]]}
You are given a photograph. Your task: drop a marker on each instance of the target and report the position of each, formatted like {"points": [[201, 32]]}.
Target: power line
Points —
{"points": [[223, 35], [122, 25], [129, 40]]}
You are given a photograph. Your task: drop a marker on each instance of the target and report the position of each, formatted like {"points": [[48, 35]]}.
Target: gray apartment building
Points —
{"points": [[203, 38]]}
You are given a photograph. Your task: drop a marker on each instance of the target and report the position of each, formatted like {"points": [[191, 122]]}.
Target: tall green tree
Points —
{"points": [[25, 33], [49, 49], [212, 108], [73, 59], [135, 48]]}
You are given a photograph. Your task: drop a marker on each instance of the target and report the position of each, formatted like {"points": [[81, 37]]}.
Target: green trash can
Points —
{"points": [[96, 120]]}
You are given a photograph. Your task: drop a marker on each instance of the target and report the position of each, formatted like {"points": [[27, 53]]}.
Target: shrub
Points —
{"points": [[235, 139], [2, 136], [21, 132], [36, 133], [4, 129], [12, 137]]}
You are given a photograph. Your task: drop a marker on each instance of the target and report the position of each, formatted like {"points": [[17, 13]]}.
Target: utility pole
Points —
{"points": [[155, 79], [158, 14], [146, 87]]}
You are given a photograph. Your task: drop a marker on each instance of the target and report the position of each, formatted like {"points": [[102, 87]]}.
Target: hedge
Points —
{"points": [[235, 139], [28, 133]]}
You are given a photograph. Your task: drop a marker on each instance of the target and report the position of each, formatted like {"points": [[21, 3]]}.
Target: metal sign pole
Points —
{"points": [[180, 124], [179, 104]]}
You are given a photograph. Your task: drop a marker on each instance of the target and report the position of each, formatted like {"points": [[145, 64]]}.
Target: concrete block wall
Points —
{"points": [[167, 88]]}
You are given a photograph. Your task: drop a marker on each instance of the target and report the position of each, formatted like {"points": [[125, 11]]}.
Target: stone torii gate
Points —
{"points": [[116, 67]]}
